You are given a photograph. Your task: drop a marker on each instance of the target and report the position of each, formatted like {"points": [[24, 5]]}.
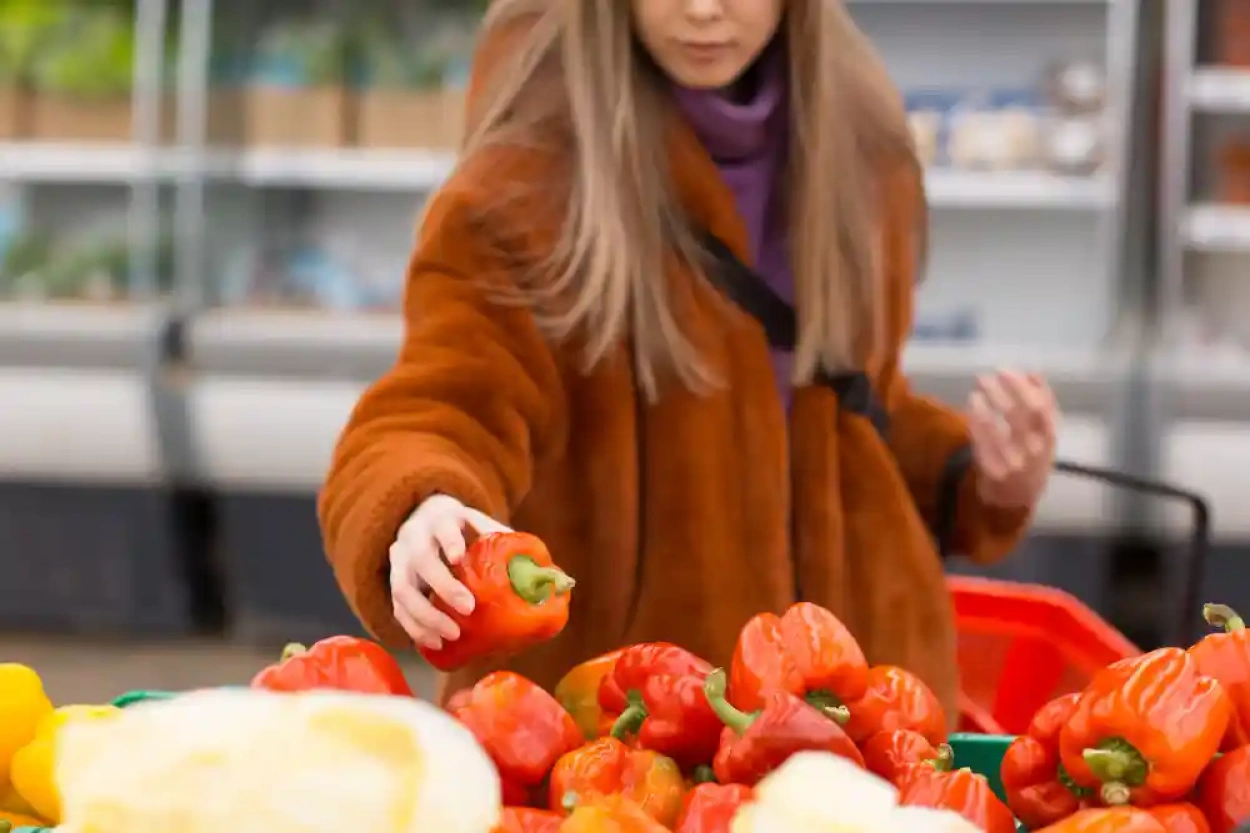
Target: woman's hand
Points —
{"points": [[430, 540], [1012, 419]]}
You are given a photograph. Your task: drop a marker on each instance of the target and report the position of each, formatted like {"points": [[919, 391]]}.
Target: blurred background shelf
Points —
{"points": [[1217, 228], [1220, 89]]}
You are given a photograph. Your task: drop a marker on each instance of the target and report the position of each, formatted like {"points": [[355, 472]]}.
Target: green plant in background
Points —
{"points": [[26, 28], [91, 56], [35, 266], [387, 62], [302, 53]]}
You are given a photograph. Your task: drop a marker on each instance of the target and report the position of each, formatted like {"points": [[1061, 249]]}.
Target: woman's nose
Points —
{"points": [[703, 10]]}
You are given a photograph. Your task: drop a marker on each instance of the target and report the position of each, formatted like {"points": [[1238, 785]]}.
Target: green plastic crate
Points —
{"points": [[130, 698], [983, 754]]}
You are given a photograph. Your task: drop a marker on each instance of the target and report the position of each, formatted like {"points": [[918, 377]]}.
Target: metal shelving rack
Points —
{"points": [[252, 400], [1204, 394]]}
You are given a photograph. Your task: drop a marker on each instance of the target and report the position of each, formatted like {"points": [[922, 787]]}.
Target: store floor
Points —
{"points": [[75, 670]]}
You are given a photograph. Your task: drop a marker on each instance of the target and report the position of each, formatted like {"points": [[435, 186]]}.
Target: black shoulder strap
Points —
{"points": [[751, 293]]}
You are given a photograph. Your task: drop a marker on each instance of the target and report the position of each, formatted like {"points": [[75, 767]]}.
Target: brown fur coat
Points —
{"points": [[678, 520]]}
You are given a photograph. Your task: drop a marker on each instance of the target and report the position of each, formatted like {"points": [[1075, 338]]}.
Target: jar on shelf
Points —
{"points": [[1232, 33], [1233, 176]]}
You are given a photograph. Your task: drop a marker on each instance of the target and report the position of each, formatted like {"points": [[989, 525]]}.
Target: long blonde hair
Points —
{"points": [[577, 64]]}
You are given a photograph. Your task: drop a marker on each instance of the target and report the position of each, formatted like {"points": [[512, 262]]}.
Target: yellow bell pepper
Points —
{"points": [[23, 704], [33, 771]]}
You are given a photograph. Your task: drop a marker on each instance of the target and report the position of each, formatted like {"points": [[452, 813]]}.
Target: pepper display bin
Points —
{"points": [[91, 559], [278, 586], [1079, 565], [89, 538]]}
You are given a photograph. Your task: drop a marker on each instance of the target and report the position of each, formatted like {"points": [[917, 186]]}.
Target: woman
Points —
{"points": [[573, 364]]}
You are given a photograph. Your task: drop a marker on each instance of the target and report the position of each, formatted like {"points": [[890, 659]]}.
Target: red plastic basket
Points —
{"points": [[1020, 645]]}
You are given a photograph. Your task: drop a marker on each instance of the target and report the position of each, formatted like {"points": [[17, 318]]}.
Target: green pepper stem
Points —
{"points": [[714, 689], [569, 801], [1118, 766], [703, 774], [5, 826], [1223, 616], [945, 760], [536, 584], [829, 705], [631, 719], [293, 649]]}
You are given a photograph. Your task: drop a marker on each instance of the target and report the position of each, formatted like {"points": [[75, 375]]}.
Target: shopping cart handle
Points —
{"points": [[1199, 537]]}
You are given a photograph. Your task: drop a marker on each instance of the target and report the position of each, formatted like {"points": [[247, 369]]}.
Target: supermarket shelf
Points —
{"points": [[1211, 457], [300, 344], [79, 335], [1017, 189], [1085, 381], [1219, 90], [407, 171], [1211, 227], [348, 169], [273, 435], [1204, 385], [78, 163], [77, 425]]}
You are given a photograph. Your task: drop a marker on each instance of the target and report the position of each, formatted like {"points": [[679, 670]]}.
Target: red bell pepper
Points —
{"points": [[656, 691], [807, 652], [1038, 789], [896, 699], [578, 692], [342, 663], [753, 745], [611, 814], [1226, 657], [606, 767], [522, 599], [1145, 728], [1180, 818], [1224, 791], [709, 808], [888, 753], [1107, 820], [935, 784], [527, 820], [522, 728]]}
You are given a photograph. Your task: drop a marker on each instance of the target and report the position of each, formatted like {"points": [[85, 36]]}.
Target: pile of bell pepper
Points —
{"points": [[653, 733], [1158, 742], [29, 724]]}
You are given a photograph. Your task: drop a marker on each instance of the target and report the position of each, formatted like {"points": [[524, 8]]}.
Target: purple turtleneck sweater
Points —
{"points": [[747, 140]]}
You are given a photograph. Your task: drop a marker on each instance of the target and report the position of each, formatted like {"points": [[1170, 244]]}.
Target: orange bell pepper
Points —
{"points": [[1226, 657], [606, 767], [1107, 820], [578, 692], [1224, 791], [1036, 787], [888, 753], [522, 728], [342, 663], [1145, 728], [522, 600], [935, 784], [611, 814], [20, 820], [806, 652], [896, 699], [1182, 817], [527, 820]]}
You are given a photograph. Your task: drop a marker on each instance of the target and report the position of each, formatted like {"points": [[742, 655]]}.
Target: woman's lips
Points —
{"points": [[705, 52]]}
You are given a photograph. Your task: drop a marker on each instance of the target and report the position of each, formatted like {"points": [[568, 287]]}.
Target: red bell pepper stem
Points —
{"points": [[630, 720], [829, 706], [736, 719], [1223, 616], [534, 583], [703, 774], [1119, 767], [292, 649]]}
